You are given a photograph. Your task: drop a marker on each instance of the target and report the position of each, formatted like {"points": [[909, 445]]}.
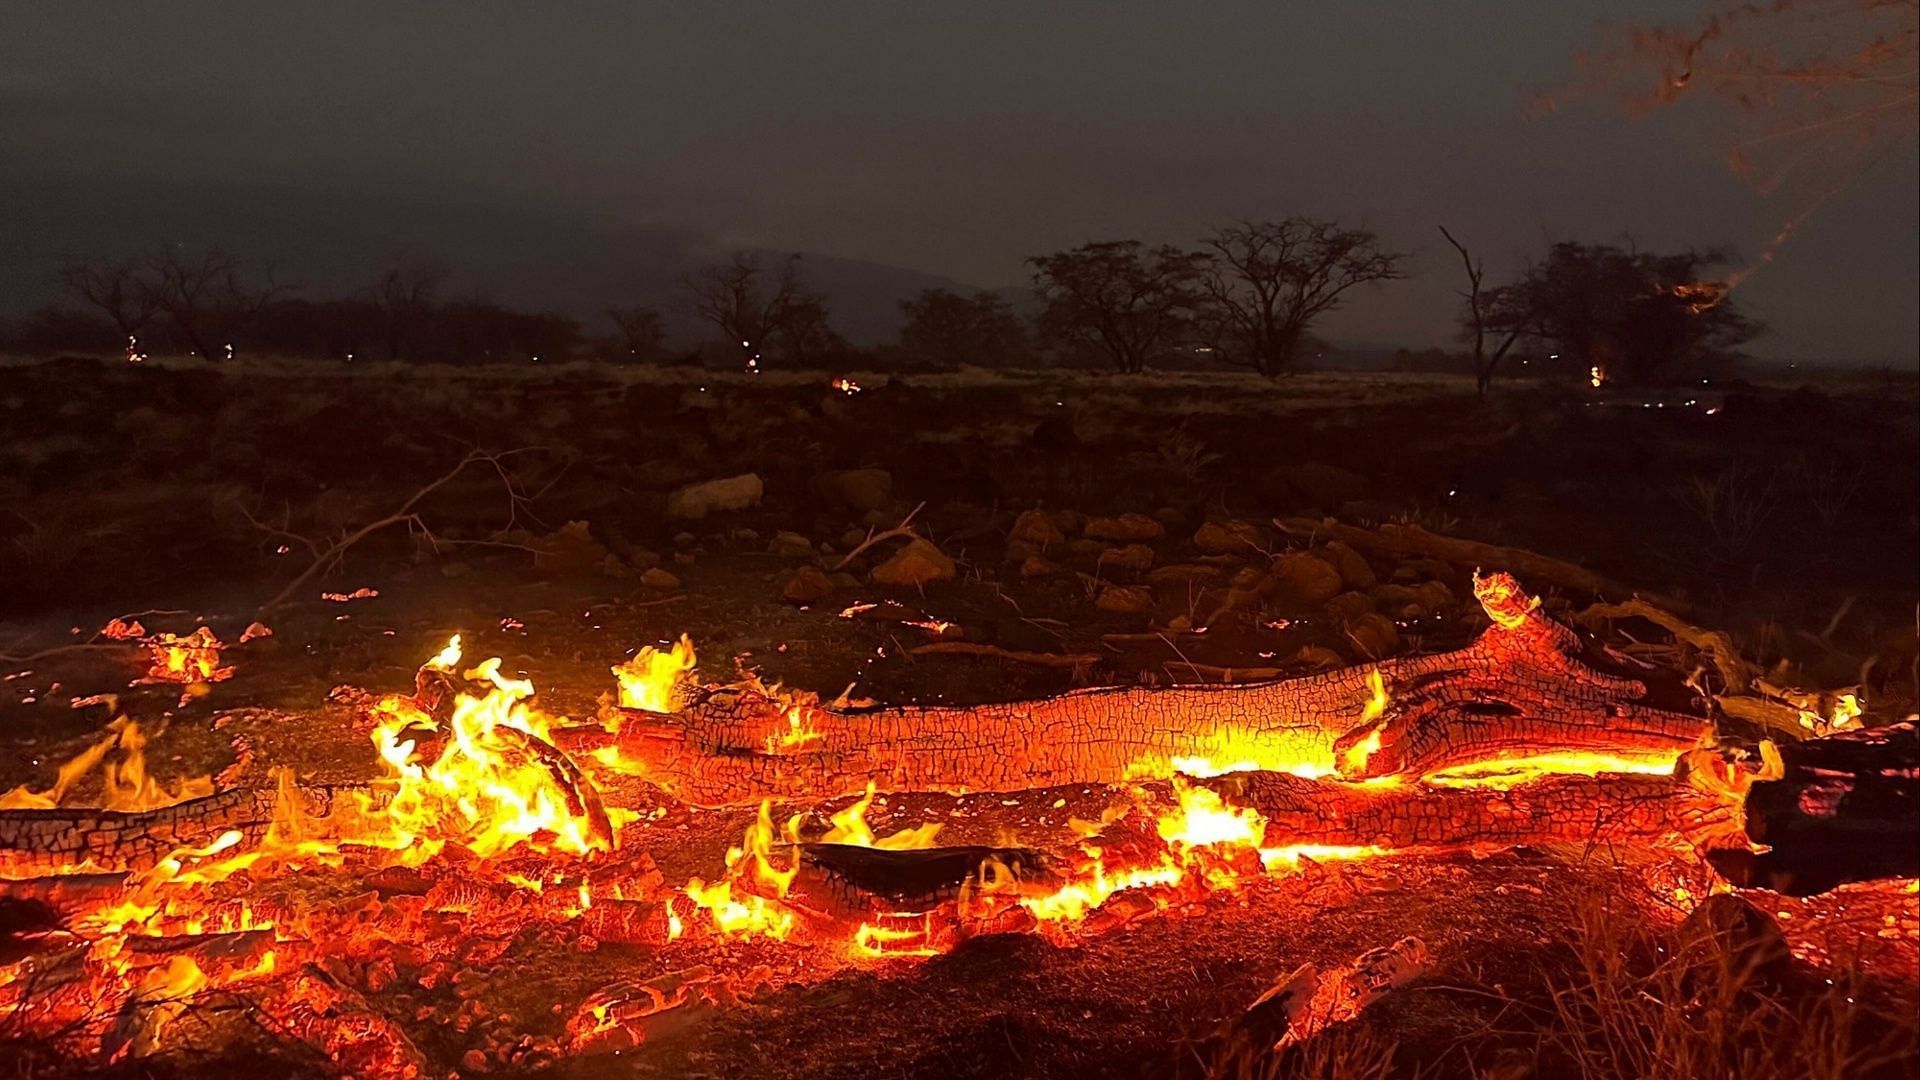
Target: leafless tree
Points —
{"points": [[1117, 299], [1267, 281], [122, 291], [404, 297], [745, 301], [207, 300], [1483, 319]]}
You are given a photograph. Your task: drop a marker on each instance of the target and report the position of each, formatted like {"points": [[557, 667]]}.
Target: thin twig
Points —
{"points": [[905, 528]]}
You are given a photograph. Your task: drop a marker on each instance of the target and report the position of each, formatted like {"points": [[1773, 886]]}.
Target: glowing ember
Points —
{"points": [[191, 659]]}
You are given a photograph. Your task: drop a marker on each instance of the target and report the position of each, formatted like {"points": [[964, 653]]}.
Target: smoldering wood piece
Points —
{"points": [[46, 841], [30, 905], [1847, 808], [627, 922], [735, 748], [582, 798], [847, 883], [322, 1012], [1601, 811]]}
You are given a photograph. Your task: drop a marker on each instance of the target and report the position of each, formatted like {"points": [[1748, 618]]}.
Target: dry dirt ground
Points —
{"points": [[193, 494]]}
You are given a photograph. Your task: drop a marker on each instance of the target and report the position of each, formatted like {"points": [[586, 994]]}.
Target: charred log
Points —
{"points": [[45, 841], [1593, 811], [1845, 808], [844, 883], [1519, 688]]}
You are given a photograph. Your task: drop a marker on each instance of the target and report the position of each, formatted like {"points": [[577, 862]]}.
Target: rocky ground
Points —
{"points": [[945, 538]]}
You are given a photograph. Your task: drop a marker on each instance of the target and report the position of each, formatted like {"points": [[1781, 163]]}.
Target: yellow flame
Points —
{"points": [[651, 679]]}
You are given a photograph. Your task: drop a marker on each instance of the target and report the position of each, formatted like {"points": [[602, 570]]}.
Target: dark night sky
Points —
{"points": [[953, 139]]}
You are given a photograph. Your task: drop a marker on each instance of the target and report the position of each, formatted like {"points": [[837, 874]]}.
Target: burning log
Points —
{"points": [[1597, 811], [1519, 688], [45, 841], [1843, 808], [55, 898]]}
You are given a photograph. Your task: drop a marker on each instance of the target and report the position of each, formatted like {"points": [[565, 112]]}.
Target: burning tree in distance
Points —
{"points": [[1620, 314]]}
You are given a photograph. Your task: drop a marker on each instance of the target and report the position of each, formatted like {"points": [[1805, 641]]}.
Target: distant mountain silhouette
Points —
{"points": [[333, 243]]}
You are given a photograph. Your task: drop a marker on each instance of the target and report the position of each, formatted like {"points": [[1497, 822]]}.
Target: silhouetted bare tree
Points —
{"points": [[1488, 314], [121, 291], [746, 302], [206, 300], [404, 297], [1266, 281], [1117, 299]]}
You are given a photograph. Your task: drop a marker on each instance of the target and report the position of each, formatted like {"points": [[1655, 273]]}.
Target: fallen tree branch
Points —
{"points": [[1519, 688], [900, 531], [974, 648], [405, 513]]}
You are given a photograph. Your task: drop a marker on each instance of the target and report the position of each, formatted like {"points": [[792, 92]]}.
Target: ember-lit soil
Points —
{"points": [[190, 498]]}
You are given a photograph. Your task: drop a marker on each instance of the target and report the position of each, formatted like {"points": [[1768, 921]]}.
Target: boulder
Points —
{"points": [[1125, 529], [1316, 657], [1124, 600], [1037, 529], [1229, 538], [1180, 575], [658, 578], [790, 544], [1355, 571], [1728, 933], [1305, 579], [808, 585], [1349, 606], [696, 501], [861, 490], [1035, 566], [1374, 635], [916, 564], [1130, 559]]}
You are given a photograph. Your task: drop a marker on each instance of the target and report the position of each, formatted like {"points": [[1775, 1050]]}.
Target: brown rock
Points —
{"points": [[696, 501], [657, 578], [1433, 595], [1354, 569], [1374, 635], [1131, 559], [1183, 574], [1124, 599], [1037, 567], [916, 564], [808, 585], [1036, 528], [1305, 579], [861, 490], [1229, 538], [1316, 657], [1349, 606], [1125, 529], [790, 544]]}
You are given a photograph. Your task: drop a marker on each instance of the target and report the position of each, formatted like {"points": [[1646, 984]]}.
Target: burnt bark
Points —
{"points": [[1846, 808], [1517, 689]]}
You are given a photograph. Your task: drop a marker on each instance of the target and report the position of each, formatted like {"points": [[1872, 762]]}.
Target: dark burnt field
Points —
{"points": [[187, 496]]}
